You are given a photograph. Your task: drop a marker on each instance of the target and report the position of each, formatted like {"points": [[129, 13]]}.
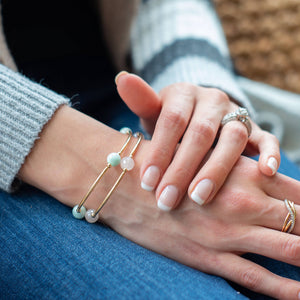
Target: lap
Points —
{"points": [[46, 253]]}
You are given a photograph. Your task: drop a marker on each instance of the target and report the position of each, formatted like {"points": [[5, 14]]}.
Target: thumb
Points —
{"points": [[139, 97]]}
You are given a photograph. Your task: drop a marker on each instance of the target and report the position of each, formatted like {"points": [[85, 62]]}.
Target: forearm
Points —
{"points": [[70, 154], [25, 107]]}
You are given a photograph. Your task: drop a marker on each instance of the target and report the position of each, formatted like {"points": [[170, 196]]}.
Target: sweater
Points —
{"points": [[169, 41]]}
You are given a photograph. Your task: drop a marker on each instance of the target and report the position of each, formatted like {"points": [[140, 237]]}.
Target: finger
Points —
{"points": [[268, 148], [254, 277], [210, 178], [282, 187], [197, 140], [278, 245], [271, 213], [139, 97], [175, 115], [237, 269]]}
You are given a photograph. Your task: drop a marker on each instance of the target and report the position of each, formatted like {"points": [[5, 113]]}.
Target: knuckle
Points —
{"points": [[238, 133], [204, 129], [273, 139], [174, 118], [183, 174], [160, 154], [219, 96], [269, 137], [184, 88], [247, 168], [251, 278], [239, 203], [222, 167], [291, 249]]}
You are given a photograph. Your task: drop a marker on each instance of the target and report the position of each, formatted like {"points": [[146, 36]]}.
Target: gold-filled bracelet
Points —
{"points": [[113, 159], [127, 164]]}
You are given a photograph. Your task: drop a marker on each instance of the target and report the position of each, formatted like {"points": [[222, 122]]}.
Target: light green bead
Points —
{"points": [[78, 215], [125, 130], [113, 159]]}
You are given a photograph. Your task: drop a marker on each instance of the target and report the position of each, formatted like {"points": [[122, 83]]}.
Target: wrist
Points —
{"points": [[70, 154]]}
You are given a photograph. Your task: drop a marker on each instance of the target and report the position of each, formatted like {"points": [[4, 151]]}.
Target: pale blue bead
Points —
{"points": [[78, 215], [125, 130], [113, 159]]}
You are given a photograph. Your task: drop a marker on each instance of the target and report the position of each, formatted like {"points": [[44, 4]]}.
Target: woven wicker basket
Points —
{"points": [[264, 39]]}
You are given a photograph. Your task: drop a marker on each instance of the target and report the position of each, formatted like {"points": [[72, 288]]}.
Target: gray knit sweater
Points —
{"points": [[171, 41]]}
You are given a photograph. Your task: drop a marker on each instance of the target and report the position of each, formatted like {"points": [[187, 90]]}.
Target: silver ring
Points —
{"points": [[242, 115]]}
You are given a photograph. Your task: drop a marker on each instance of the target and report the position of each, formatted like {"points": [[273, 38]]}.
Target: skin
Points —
{"points": [[246, 215], [192, 115]]}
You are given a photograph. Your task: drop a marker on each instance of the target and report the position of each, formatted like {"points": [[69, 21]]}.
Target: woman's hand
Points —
{"points": [[245, 216], [191, 114]]}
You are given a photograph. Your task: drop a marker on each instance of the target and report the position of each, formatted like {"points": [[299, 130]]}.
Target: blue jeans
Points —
{"points": [[47, 254]]}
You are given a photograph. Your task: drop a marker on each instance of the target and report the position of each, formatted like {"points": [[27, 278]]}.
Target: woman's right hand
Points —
{"points": [[245, 216], [192, 115]]}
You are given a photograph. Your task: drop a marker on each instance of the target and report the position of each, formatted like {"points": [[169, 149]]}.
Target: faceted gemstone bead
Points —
{"points": [[89, 216], [80, 214], [113, 159], [127, 163], [125, 130]]}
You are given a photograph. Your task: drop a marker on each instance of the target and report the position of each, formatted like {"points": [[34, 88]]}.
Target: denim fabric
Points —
{"points": [[47, 254]]}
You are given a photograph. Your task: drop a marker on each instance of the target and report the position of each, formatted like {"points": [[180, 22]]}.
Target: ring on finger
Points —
{"points": [[242, 115], [290, 219]]}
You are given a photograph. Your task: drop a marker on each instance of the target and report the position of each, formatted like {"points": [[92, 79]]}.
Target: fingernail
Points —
{"points": [[150, 178], [168, 198], [202, 191], [119, 75], [299, 295], [272, 164]]}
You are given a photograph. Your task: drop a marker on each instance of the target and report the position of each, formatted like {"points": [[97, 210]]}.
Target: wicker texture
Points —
{"points": [[264, 39]]}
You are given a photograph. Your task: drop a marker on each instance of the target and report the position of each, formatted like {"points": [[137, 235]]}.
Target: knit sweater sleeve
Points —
{"points": [[25, 107], [183, 41]]}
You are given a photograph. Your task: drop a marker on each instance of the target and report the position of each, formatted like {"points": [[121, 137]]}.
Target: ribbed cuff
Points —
{"points": [[200, 71], [183, 41], [25, 107]]}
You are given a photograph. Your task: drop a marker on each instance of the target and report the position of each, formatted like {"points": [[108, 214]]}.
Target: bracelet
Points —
{"points": [[113, 159]]}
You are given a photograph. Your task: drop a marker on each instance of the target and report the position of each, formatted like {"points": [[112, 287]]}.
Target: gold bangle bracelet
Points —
{"points": [[113, 159], [126, 163]]}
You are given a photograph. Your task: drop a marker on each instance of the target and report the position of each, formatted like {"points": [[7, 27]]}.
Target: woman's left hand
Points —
{"points": [[192, 114], [246, 215]]}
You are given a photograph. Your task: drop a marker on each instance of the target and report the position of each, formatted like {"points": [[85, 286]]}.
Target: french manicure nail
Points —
{"points": [[167, 198], [202, 191], [150, 178], [272, 164], [119, 75]]}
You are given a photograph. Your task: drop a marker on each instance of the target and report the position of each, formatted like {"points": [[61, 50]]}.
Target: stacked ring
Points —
{"points": [[290, 219]]}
